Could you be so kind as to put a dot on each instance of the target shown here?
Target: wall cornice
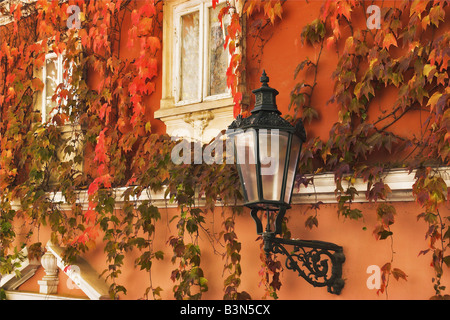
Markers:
(400, 181)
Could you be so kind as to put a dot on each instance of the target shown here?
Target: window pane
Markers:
(51, 82)
(293, 160)
(218, 57)
(246, 160)
(190, 46)
(272, 155)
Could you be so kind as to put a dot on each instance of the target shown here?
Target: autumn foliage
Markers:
(102, 138)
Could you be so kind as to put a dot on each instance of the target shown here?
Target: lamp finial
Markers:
(264, 79)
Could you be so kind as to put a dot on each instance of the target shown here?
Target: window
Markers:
(52, 76)
(195, 97)
(201, 60)
(55, 76)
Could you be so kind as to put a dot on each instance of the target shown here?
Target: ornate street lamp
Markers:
(267, 150)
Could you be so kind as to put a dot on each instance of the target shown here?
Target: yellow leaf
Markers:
(278, 9)
(433, 100)
(427, 69)
(148, 127)
(389, 40)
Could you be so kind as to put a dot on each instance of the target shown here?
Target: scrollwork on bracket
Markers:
(318, 262)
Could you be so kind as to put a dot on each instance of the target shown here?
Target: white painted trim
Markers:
(81, 273)
(202, 6)
(400, 182)
(207, 52)
(85, 277)
(20, 295)
(59, 79)
(178, 13)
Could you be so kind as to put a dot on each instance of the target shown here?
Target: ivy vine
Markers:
(405, 54)
(106, 130)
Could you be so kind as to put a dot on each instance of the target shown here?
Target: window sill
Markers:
(197, 121)
(168, 107)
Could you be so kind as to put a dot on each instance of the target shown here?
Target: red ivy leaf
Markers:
(154, 44)
(330, 42)
(237, 104)
(148, 9)
(100, 148)
(135, 17)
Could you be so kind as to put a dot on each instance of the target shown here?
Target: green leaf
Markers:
(447, 261)
(203, 282)
(310, 114)
(2, 294)
(311, 222)
(159, 255)
(384, 234)
(300, 66)
(398, 274)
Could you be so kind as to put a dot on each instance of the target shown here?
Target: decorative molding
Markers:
(18, 295)
(177, 114)
(49, 283)
(400, 181)
(200, 126)
(81, 275)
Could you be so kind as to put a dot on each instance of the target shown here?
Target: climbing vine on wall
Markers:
(101, 138)
(406, 53)
(104, 128)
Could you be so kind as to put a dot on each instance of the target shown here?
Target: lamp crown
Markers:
(265, 96)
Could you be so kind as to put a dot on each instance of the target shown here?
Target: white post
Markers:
(49, 283)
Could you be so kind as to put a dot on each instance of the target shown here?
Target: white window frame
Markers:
(60, 69)
(59, 80)
(202, 6)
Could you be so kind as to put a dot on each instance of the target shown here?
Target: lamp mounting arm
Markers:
(318, 262)
(311, 259)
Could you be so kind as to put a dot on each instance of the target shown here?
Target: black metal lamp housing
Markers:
(267, 150)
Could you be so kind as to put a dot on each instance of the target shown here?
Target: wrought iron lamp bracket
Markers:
(311, 259)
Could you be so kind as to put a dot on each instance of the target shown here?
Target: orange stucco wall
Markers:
(66, 287)
(284, 51)
(360, 248)
(280, 57)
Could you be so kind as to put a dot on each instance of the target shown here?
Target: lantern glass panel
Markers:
(272, 151)
(245, 143)
(293, 162)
